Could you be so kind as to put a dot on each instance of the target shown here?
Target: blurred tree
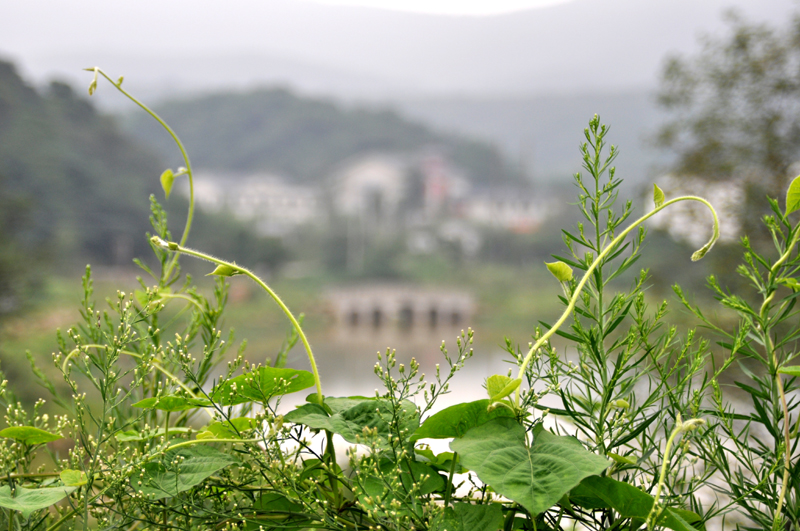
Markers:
(20, 264)
(736, 112)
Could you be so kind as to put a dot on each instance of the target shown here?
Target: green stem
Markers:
(574, 299)
(787, 437)
(656, 510)
(189, 174)
(172, 246)
(449, 486)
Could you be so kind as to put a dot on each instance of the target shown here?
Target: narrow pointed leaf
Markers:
(658, 196)
(172, 403)
(790, 371)
(167, 180)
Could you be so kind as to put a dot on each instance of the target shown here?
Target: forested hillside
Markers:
(274, 130)
(84, 182)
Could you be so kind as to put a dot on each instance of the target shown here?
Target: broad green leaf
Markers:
(229, 429)
(790, 371)
(442, 461)
(468, 517)
(224, 271)
(73, 478)
(629, 502)
(500, 386)
(167, 179)
(350, 417)
(28, 500)
(179, 470)
(29, 435)
(412, 473)
(793, 196)
(172, 403)
(535, 477)
(560, 270)
(133, 435)
(658, 196)
(260, 385)
(456, 420)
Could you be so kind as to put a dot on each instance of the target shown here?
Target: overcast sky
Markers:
(317, 46)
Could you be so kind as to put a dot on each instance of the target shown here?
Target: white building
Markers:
(275, 206)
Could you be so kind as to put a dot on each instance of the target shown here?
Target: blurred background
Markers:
(397, 170)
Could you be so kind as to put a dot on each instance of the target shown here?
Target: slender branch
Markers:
(184, 154)
(236, 269)
(574, 299)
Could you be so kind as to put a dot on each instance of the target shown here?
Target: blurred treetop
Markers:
(736, 110)
(275, 131)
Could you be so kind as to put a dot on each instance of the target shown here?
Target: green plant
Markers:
(591, 438)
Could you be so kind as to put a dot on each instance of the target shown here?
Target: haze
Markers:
(359, 52)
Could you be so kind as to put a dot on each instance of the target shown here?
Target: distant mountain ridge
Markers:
(305, 139)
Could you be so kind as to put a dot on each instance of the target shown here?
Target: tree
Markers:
(736, 111)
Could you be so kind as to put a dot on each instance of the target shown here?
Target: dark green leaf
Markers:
(261, 384)
(28, 500)
(132, 435)
(630, 502)
(468, 517)
(351, 416)
(456, 420)
(172, 403)
(179, 470)
(535, 477)
(29, 435)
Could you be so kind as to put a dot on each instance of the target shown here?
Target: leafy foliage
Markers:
(596, 440)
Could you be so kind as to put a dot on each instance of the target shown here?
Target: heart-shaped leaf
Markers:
(457, 420)
(468, 517)
(179, 470)
(28, 500)
(350, 416)
(261, 384)
(535, 477)
(29, 435)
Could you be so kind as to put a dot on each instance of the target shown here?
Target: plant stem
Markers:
(184, 154)
(178, 248)
(449, 486)
(787, 438)
(574, 299)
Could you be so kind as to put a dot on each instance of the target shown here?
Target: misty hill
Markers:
(86, 183)
(274, 130)
(542, 133)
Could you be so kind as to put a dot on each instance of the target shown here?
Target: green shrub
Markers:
(641, 436)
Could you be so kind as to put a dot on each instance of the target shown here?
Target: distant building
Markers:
(513, 209)
(275, 206)
(370, 187)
